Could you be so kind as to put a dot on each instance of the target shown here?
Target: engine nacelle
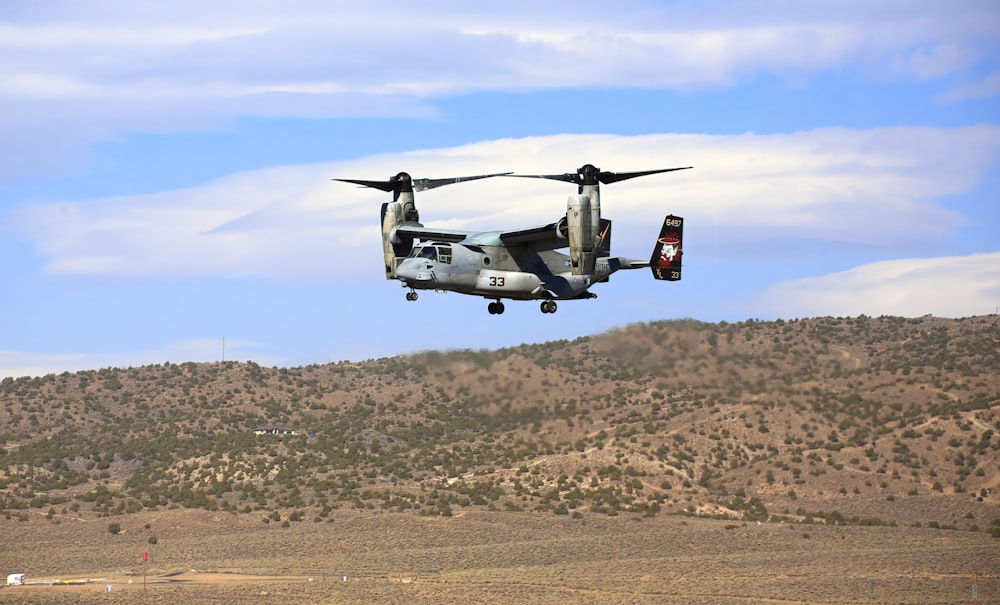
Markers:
(583, 223)
(394, 248)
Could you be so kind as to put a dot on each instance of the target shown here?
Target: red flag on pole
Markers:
(143, 555)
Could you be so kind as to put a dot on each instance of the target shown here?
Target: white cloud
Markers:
(15, 364)
(880, 187)
(71, 77)
(958, 286)
(263, 223)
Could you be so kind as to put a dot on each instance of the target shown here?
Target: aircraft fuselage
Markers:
(481, 265)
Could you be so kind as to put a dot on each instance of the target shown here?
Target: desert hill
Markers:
(848, 421)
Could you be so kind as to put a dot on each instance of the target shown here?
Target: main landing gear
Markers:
(411, 295)
(496, 307)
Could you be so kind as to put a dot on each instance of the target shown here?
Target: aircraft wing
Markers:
(426, 234)
(543, 237)
(547, 237)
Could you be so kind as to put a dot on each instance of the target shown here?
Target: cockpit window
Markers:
(444, 254)
(440, 253)
(424, 252)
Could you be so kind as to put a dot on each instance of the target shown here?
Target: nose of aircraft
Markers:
(413, 270)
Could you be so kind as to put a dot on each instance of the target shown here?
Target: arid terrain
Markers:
(498, 557)
(826, 460)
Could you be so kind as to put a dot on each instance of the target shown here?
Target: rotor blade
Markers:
(424, 184)
(567, 177)
(613, 177)
(381, 185)
(403, 182)
(587, 175)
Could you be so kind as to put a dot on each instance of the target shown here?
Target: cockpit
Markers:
(435, 252)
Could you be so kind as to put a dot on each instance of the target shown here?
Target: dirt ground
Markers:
(492, 557)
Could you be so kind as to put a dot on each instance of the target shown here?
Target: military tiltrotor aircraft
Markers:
(520, 264)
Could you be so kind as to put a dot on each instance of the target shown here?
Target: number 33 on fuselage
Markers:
(521, 264)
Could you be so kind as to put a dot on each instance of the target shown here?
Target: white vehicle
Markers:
(15, 579)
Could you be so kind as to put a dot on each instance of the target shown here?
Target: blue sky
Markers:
(165, 170)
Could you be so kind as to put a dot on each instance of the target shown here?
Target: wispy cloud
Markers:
(878, 188)
(959, 286)
(71, 77)
(980, 88)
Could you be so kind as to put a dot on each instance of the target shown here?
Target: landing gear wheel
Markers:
(411, 296)
(495, 308)
(548, 306)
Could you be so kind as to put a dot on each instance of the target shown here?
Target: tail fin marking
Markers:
(665, 261)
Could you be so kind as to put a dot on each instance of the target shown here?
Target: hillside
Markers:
(855, 421)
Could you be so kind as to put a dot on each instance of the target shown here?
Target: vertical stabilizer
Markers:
(666, 259)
